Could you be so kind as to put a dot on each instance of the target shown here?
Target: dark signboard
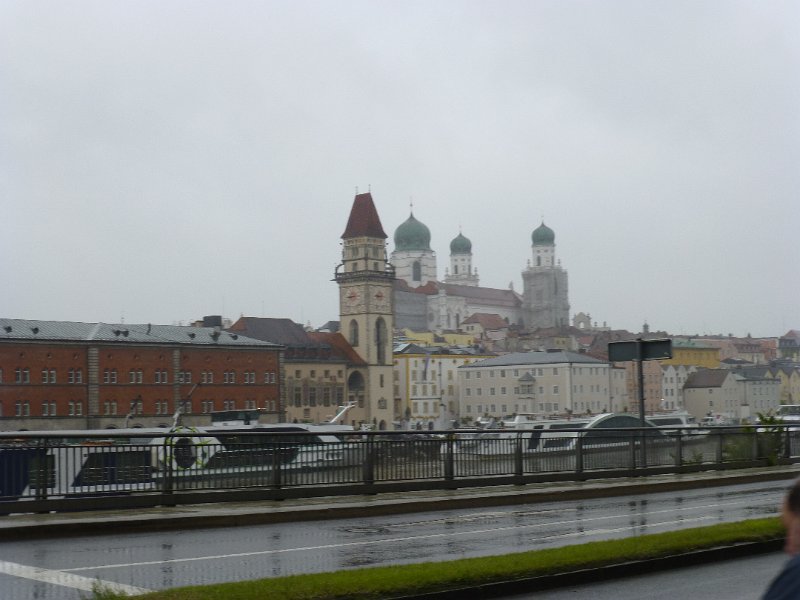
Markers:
(650, 350)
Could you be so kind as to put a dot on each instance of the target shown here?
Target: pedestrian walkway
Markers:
(227, 514)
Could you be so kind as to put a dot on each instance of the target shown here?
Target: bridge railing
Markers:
(57, 471)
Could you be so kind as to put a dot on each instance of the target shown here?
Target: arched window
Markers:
(416, 271)
(538, 261)
(380, 340)
(354, 333)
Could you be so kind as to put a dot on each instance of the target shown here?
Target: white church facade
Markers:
(423, 302)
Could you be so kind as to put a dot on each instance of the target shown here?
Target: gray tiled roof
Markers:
(536, 358)
(70, 331)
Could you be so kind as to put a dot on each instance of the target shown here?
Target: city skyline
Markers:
(168, 162)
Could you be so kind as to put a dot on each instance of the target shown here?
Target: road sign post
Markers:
(639, 350)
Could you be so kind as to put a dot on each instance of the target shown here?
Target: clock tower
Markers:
(366, 312)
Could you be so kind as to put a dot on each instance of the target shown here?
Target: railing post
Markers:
(42, 471)
(787, 445)
(579, 454)
(167, 466)
(369, 461)
(449, 459)
(276, 465)
(518, 468)
(632, 452)
(720, 446)
(679, 448)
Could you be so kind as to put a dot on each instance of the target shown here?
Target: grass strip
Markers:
(385, 582)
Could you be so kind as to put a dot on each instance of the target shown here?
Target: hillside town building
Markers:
(426, 383)
(542, 383)
(68, 375)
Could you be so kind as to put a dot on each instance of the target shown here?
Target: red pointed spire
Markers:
(364, 220)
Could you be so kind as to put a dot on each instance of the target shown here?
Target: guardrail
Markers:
(80, 471)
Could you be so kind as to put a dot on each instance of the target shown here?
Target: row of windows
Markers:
(49, 376)
(433, 389)
(328, 397)
(298, 374)
(428, 375)
(536, 372)
(161, 376)
(518, 391)
(480, 409)
(48, 408)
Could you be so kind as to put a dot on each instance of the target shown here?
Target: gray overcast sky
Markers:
(160, 161)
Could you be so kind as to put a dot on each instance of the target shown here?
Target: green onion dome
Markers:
(412, 235)
(460, 245)
(543, 236)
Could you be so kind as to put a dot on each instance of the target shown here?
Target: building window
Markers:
(22, 375)
(354, 333)
(555, 389)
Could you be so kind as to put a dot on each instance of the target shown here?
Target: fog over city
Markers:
(161, 161)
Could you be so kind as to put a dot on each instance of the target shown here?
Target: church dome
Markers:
(543, 236)
(412, 235)
(460, 245)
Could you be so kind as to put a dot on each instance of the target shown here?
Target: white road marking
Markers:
(66, 579)
(387, 541)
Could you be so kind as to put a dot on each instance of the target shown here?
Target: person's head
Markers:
(790, 513)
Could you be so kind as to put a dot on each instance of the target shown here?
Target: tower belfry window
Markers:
(416, 271)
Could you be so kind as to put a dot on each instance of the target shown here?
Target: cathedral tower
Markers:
(412, 256)
(545, 290)
(461, 271)
(366, 312)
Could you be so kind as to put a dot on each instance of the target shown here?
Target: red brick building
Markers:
(66, 375)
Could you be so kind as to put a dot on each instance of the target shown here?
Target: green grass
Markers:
(385, 582)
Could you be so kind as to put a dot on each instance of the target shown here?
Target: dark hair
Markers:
(793, 499)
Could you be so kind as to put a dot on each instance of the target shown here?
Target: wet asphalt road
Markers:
(58, 569)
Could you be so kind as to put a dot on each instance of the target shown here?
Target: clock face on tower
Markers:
(352, 300)
(380, 299)
(351, 297)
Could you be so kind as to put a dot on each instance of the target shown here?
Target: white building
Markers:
(544, 383)
(673, 378)
(426, 384)
(729, 396)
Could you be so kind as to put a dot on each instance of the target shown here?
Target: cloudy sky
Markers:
(161, 161)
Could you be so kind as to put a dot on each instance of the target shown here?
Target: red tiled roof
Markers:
(478, 294)
(487, 320)
(340, 345)
(364, 220)
(429, 289)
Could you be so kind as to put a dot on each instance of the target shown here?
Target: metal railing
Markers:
(77, 471)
